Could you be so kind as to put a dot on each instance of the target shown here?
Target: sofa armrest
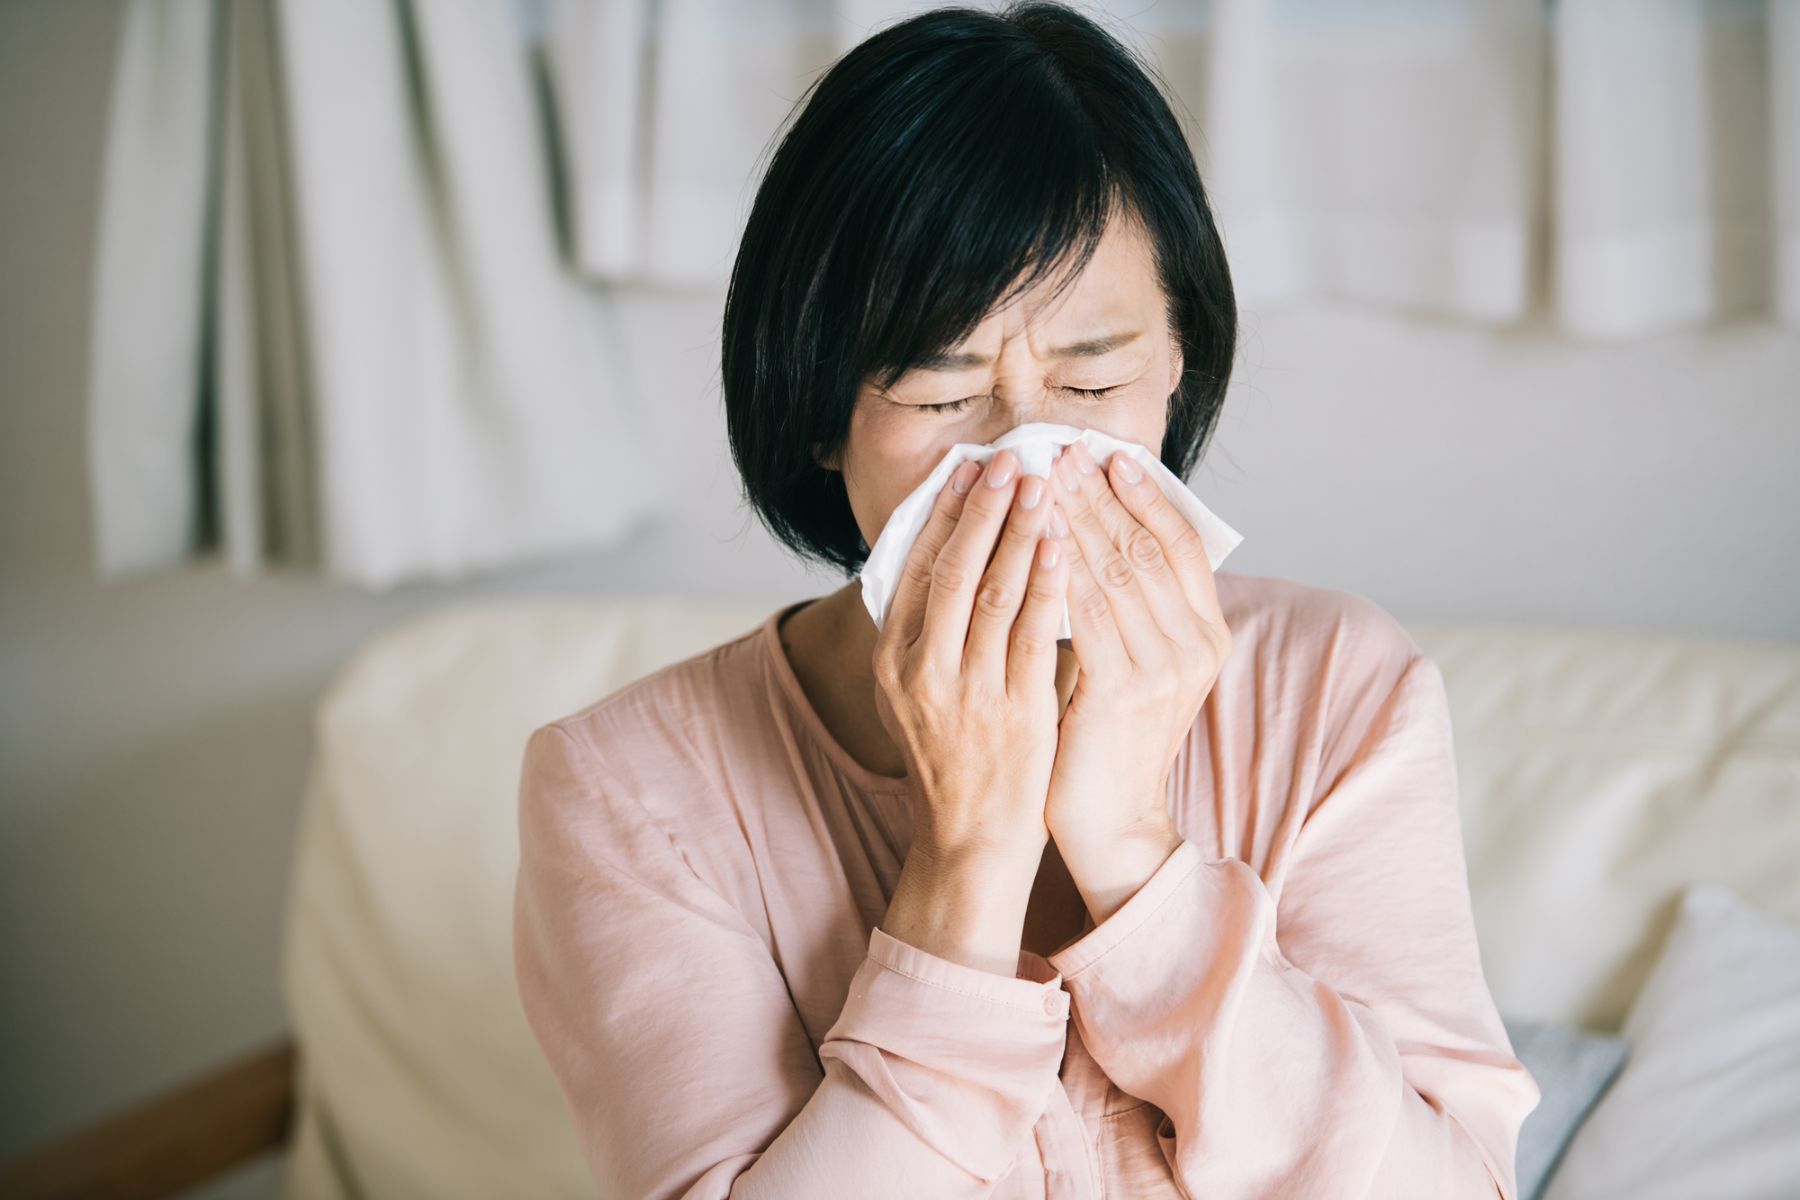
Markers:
(169, 1143)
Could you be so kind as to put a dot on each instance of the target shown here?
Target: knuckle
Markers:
(1093, 605)
(1115, 572)
(971, 699)
(1142, 548)
(947, 573)
(996, 598)
(1188, 548)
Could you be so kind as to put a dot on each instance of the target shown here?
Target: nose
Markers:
(1024, 391)
(1016, 408)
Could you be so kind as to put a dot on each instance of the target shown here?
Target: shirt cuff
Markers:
(966, 1059)
(1040, 997)
(1163, 883)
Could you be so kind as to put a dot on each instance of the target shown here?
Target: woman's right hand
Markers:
(965, 682)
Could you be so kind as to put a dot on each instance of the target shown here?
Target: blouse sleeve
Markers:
(1343, 1043)
(687, 1071)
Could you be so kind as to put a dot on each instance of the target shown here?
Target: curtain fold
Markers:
(144, 427)
(1386, 154)
(263, 452)
(1675, 125)
(333, 327)
(666, 108)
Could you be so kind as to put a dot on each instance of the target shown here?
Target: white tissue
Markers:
(1036, 444)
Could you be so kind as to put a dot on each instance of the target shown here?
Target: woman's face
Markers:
(1106, 331)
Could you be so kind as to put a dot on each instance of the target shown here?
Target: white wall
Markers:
(154, 734)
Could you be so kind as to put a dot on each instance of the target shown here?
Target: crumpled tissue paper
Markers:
(1036, 445)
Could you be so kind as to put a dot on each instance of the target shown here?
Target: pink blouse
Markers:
(1292, 1006)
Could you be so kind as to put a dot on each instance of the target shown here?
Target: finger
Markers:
(906, 611)
(1138, 629)
(1182, 547)
(1003, 587)
(1031, 665)
(1095, 635)
(1113, 517)
(1165, 595)
(956, 573)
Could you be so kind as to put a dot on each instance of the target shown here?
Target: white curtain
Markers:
(1677, 162)
(1383, 153)
(667, 110)
(333, 327)
(1626, 166)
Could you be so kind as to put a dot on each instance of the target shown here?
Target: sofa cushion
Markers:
(418, 1073)
(1709, 1101)
(1602, 772)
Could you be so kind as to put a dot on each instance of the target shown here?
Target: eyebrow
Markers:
(1091, 348)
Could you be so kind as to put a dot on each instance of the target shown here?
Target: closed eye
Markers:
(954, 405)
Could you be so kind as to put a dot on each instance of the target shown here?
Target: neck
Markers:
(841, 634)
(830, 644)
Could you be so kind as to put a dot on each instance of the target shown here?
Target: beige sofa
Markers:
(1600, 772)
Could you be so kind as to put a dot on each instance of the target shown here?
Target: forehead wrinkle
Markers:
(1092, 347)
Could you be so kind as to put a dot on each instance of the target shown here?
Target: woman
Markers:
(950, 909)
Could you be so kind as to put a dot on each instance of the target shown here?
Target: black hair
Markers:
(932, 166)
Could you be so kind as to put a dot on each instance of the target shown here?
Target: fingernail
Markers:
(1000, 469)
(1083, 459)
(964, 477)
(1127, 469)
(1065, 470)
(1031, 490)
(1059, 524)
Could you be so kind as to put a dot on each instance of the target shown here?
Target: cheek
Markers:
(1140, 416)
(885, 460)
(1148, 417)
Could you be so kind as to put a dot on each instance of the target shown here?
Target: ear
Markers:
(1176, 363)
(829, 463)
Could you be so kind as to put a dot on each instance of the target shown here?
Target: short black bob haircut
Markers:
(936, 163)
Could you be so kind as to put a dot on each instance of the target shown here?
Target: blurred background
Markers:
(318, 316)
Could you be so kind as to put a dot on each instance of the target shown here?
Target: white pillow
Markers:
(1708, 1103)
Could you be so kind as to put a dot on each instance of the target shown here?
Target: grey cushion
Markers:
(1573, 1068)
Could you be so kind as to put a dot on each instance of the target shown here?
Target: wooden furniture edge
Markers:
(171, 1142)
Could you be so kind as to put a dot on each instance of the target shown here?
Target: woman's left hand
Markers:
(1150, 640)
